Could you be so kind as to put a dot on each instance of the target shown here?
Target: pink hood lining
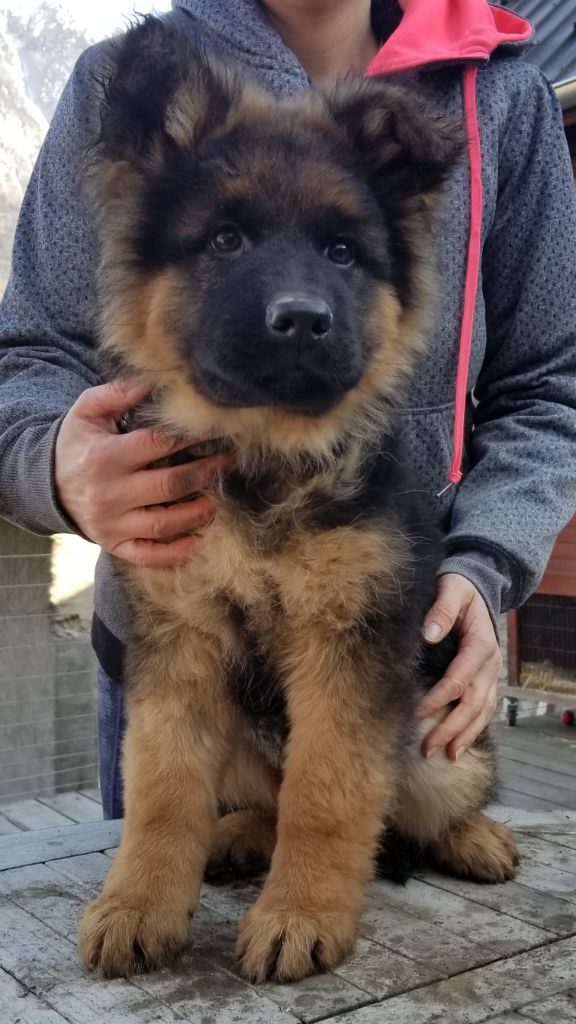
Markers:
(438, 31)
(434, 32)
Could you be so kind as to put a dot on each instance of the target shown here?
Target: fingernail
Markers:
(431, 631)
(431, 751)
(458, 752)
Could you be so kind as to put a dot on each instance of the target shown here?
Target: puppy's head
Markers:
(264, 262)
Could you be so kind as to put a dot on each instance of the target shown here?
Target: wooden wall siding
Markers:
(560, 576)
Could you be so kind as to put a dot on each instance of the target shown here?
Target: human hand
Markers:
(104, 484)
(472, 676)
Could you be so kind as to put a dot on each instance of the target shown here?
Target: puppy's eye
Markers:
(226, 239)
(341, 252)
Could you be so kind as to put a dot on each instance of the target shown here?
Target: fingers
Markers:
(152, 555)
(141, 448)
(165, 524)
(454, 595)
(465, 723)
(472, 677)
(105, 404)
(158, 486)
(466, 738)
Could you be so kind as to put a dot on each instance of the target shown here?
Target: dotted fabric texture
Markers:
(520, 483)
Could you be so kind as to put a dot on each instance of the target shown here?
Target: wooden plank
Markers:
(42, 891)
(8, 828)
(520, 800)
(54, 843)
(568, 842)
(559, 821)
(507, 1018)
(93, 793)
(76, 806)
(200, 992)
(44, 894)
(529, 739)
(214, 936)
(560, 1009)
(47, 963)
(319, 996)
(542, 790)
(563, 782)
(439, 949)
(87, 869)
(561, 884)
(564, 762)
(505, 934)
(539, 850)
(559, 699)
(516, 900)
(31, 814)
(19, 1006)
(481, 994)
(565, 767)
(383, 972)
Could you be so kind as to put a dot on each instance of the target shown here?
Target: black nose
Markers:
(299, 317)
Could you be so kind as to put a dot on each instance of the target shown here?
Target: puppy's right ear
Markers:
(157, 90)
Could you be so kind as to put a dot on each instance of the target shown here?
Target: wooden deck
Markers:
(537, 763)
(437, 950)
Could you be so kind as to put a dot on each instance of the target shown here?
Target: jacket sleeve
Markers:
(47, 355)
(520, 488)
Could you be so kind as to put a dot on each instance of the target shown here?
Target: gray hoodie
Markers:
(519, 483)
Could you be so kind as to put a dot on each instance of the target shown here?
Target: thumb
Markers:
(104, 405)
(454, 593)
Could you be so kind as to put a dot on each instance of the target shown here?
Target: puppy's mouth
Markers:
(300, 392)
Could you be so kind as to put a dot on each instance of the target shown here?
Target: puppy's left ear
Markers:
(407, 150)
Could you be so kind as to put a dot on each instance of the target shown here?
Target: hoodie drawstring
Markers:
(472, 271)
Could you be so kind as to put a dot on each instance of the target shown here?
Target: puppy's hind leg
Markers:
(245, 835)
(438, 814)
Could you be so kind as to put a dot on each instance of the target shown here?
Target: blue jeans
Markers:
(111, 724)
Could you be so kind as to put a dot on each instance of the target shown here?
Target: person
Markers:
(500, 372)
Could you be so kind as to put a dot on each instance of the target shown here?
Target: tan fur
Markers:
(477, 848)
(329, 820)
(177, 706)
(243, 844)
(434, 794)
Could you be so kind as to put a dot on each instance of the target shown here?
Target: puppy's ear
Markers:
(407, 151)
(158, 89)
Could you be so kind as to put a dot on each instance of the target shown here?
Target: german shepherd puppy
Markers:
(265, 269)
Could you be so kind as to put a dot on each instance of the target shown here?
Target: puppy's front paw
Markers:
(122, 935)
(286, 944)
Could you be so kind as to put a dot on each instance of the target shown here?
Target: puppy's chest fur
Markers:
(265, 574)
